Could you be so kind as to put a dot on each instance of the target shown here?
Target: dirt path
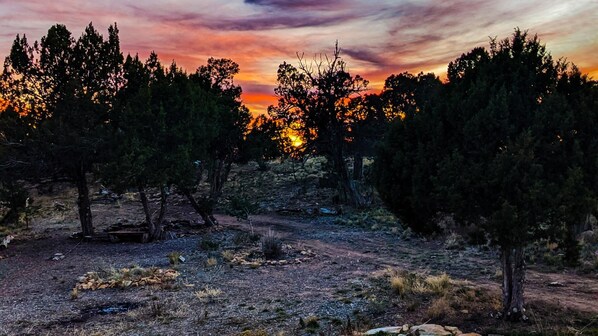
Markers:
(382, 250)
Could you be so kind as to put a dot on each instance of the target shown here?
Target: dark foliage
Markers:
(507, 145)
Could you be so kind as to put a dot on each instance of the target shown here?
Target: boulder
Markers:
(432, 330)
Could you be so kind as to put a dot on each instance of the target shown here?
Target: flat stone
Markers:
(430, 330)
(387, 330)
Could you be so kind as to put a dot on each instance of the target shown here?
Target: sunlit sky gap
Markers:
(377, 38)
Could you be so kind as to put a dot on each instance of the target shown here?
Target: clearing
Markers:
(332, 279)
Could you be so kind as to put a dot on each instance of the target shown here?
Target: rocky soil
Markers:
(332, 278)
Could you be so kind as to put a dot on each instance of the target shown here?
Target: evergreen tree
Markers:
(228, 123)
(66, 87)
(509, 147)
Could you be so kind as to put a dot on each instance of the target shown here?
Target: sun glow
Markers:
(296, 140)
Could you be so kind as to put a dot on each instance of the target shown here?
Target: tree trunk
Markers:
(347, 186)
(507, 276)
(204, 211)
(154, 226)
(84, 205)
(357, 166)
(513, 268)
(516, 309)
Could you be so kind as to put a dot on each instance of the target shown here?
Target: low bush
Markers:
(271, 246)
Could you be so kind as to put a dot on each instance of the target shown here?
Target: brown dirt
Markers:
(343, 282)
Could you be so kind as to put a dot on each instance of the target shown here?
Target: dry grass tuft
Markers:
(173, 258)
(271, 246)
(74, 293)
(211, 262)
(126, 277)
(405, 283)
(208, 294)
(439, 284)
(228, 255)
(440, 308)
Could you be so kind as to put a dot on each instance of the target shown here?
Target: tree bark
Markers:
(516, 308)
(347, 186)
(513, 265)
(154, 226)
(204, 211)
(507, 277)
(84, 205)
(357, 166)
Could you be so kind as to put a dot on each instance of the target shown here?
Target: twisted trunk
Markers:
(154, 225)
(348, 188)
(203, 209)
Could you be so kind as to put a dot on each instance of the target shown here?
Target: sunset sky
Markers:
(377, 38)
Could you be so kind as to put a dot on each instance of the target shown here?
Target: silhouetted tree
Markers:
(313, 100)
(263, 142)
(367, 125)
(13, 166)
(509, 148)
(229, 122)
(66, 86)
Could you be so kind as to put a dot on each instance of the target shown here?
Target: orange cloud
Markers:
(378, 38)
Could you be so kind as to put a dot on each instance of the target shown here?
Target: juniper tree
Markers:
(66, 86)
(313, 100)
(510, 148)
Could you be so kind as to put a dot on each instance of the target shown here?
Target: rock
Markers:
(453, 330)
(328, 212)
(57, 256)
(421, 330)
(430, 330)
(6, 240)
(386, 330)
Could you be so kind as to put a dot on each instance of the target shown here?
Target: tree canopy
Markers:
(508, 147)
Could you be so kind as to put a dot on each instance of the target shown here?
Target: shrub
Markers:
(208, 245)
(241, 207)
(173, 257)
(14, 197)
(311, 322)
(271, 246)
